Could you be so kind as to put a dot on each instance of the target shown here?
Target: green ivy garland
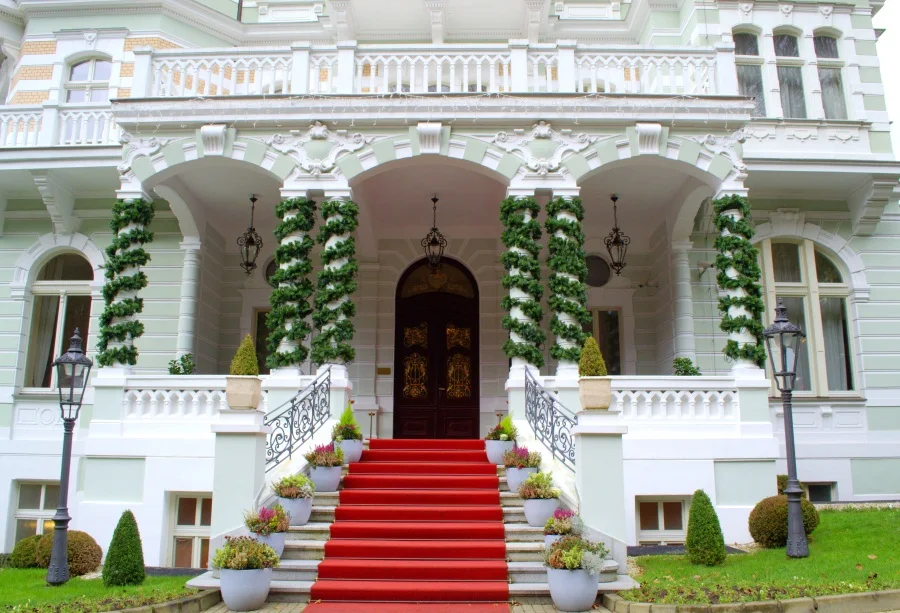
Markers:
(521, 234)
(567, 257)
(333, 308)
(117, 322)
(290, 298)
(736, 251)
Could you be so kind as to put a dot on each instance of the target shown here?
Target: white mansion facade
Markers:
(373, 107)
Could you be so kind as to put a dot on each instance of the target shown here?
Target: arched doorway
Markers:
(436, 391)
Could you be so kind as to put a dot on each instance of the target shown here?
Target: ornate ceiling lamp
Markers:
(616, 242)
(434, 242)
(250, 242)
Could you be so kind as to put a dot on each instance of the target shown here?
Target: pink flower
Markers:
(266, 514)
(563, 514)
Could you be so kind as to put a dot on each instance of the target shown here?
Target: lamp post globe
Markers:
(783, 340)
(72, 371)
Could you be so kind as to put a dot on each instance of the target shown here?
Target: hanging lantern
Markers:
(434, 242)
(250, 242)
(616, 242)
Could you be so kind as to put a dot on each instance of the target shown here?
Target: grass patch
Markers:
(851, 551)
(26, 591)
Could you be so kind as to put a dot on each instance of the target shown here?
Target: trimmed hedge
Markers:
(591, 363)
(82, 550)
(244, 362)
(24, 554)
(124, 564)
(705, 543)
(768, 520)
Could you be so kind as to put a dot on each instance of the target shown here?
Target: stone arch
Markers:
(48, 246)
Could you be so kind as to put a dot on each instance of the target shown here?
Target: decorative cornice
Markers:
(520, 143)
(295, 146)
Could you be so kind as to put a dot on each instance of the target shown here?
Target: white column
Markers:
(771, 85)
(683, 302)
(142, 80)
(518, 60)
(566, 74)
(566, 369)
(190, 286)
(346, 66)
(726, 82)
(815, 108)
(300, 67)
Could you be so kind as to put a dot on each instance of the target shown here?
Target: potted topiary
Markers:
(564, 522)
(326, 463)
(520, 463)
(245, 572)
(243, 387)
(541, 498)
(573, 572)
(500, 439)
(295, 495)
(593, 384)
(268, 525)
(348, 436)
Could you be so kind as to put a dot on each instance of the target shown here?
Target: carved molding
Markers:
(648, 135)
(342, 20)
(519, 143)
(729, 146)
(867, 204)
(437, 14)
(788, 221)
(213, 138)
(429, 137)
(59, 200)
(136, 147)
(341, 141)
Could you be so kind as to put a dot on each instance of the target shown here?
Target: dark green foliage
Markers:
(683, 367)
(705, 543)
(24, 554)
(124, 563)
(782, 483)
(768, 520)
(184, 365)
(82, 550)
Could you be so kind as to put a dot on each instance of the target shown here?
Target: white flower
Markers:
(504, 437)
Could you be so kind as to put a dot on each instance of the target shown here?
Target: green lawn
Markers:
(25, 591)
(851, 551)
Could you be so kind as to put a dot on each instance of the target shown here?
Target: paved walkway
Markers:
(278, 607)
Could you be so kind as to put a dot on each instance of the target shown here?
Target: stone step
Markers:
(296, 570)
(321, 531)
(330, 499)
(279, 590)
(527, 551)
(297, 549)
(511, 515)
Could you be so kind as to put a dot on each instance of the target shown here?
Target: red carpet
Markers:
(418, 521)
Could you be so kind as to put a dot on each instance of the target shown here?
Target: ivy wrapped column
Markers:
(119, 325)
(523, 272)
(568, 293)
(290, 299)
(739, 273)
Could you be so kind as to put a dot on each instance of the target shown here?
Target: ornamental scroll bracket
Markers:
(295, 145)
(135, 147)
(537, 156)
(729, 146)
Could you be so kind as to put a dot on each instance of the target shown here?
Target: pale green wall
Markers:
(744, 483)
(875, 476)
(113, 479)
(143, 22)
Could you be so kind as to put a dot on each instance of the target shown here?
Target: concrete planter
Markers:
(245, 590)
(298, 508)
(539, 510)
(496, 449)
(594, 392)
(274, 540)
(243, 393)
(515, 477)
(549, 539)
(326, 478)
(573, 590)
(352, 449)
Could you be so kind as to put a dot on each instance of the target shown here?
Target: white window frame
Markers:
(195, 532)
(839, 64)
(754, 60)
(90, 84)
(791, 61)
(810, 290)
(40, 515)
(662, 536)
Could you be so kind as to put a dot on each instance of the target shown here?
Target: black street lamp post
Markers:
(72, 370)
(783, 344)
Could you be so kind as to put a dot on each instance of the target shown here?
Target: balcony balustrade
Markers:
(54, 124)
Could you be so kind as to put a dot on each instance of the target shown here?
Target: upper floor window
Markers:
(748, 64)
(815, 293)
(790, 76)
(830, 79)
(89, 81)
(62, 302)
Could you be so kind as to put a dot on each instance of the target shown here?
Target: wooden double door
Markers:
(436, 391)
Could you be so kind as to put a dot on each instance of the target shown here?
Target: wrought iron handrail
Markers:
(297, 420)
(551, 421)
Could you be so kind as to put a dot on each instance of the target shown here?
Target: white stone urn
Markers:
(352, 449)
(274, 540)
(298, 508)
(573, 590)
(595, 392)
(496, 449)
(243, 392)
(515, 477)
(245, 590)
(326, 478)
(539, 510)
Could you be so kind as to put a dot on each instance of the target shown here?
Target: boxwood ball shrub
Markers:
(244, 362)
(82, 550)
(768, 520)
(124, 564)
(24, 554)
(705, 543)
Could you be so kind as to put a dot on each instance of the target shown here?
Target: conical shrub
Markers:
(591, 363)
(124, 563)
(705, 543)
(244, 362)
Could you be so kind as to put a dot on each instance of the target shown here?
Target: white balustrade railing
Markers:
(20, 127)
(323, 73)
(220, 72)
(543, 71)
(87, 127)
(676, 399)
(192, 398)
(645, 72)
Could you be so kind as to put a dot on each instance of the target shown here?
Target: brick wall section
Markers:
(33, 73)
(30, 97)
(149, 41)
(123, 92)
(127, 69)
(39, 47)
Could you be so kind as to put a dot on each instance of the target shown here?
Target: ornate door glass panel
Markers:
(417, 336)
(459, 377)
(458, 337)
(415, 376)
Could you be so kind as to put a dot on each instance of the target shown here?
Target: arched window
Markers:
(790, 75)
(748, 64)
(830, 65)
(815, 291)
(88, 81)
(62, 302)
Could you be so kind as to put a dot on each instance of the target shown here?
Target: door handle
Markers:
(442, 389)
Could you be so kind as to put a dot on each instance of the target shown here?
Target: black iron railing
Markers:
(551, 421)
(298, 419)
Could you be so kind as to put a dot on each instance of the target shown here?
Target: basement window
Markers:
(190, 533)
(662, 521)
(819, 492)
